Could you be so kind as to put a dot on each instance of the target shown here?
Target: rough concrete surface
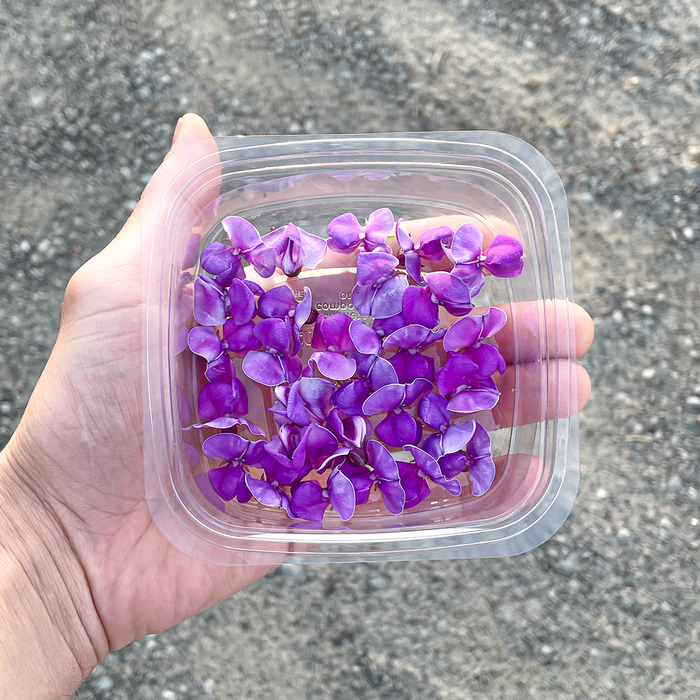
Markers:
(609, 91)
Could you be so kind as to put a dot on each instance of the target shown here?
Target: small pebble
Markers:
(617, 316)
(105, 683)
(547, 650)
(688, 233)
(378, 583)
(168, 695)
(648, 373)
(675, 483)
(665, 522)
(623, 533)
(693, 402)
(208, 686)
(601, 493)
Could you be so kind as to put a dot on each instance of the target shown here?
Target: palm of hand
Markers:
(83, 436)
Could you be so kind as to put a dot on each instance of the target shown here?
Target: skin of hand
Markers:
(83, 568)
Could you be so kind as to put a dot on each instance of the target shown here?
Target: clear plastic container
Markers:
(497, 181)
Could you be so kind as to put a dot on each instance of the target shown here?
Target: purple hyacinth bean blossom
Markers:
(224, 404)
(310, 500)
(433, 411)
(450, 291)
(429, 247)
(503, 258)
(345, 233)
(280, 303)
(408, 362)
(459, 380)
(332, 339)
(378, 469)
(219, 260)
(228, 481)
(414, 477)
(380, 287)
(273, 365)
(399, 427)
(477, 460)
(467, 336)
(351, 431)
(305, 401)
(295, 249)
(209, 302)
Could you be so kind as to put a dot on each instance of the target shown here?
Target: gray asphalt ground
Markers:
(609, 91)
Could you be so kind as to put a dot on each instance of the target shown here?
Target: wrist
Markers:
(51, 636)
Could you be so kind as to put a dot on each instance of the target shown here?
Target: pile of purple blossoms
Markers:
(369, 411)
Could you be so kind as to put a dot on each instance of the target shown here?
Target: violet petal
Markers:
(381, 460)
(371, 267)
(457, 371)
(225, 480)
(399, 429)
(334, 365)
(224, 446)
(466, 245)
(463, 333)
(204, 341)
(342, 494)
(209, 304)
(430, 242)
(386, 398)
(394, 496)
(308, 501)
(425, 462)
(277, 303)
(242, 234)
(242, 303)
(344, 233)
(481, 396)
(273, 333)
(264, 368)
(504, 257)
(365, 338)
(417, 307)
(408, 337)
(350, 397)
(389, 297)
(432, 410)
(263, 492)
(457, 436)
(481, 475)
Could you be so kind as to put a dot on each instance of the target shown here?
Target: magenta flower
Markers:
(468, 334)
(429, 247)
(418, 306)
(280, 303)
(351, 431)
(477, 460)
(228, 481)
(450, 291)
(378, 469)
(295, 249)
(408, 362)
(379, 289)
(305, 401)
(414, 477)
(224, 404)
(310, 500)
(459, 381)
(219, 260)
(399, 427)
(273, 365)
(385, 326)
(227, 263)
(345, 232)
(503, 258)
(448, 439)
(332, 339)
(209, 302)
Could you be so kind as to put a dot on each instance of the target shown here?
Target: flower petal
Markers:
(432, 410)
(215, 400)
(417, 389)
(316, 394)
(264, 368)
(334, 365)
(487, 358)
(263, 259)
(380, 224)
(417, 307)
(451, 485)
(350, 397)
(308, 501)
(313, 247)
(481, 396)
(463, 333)
(457, 371)
(381, 460)
(457, 436)
(399, 429)
(303, 310)
(344, 233)
(335, 330)
(240, 338)
(382, 373)
(408, 337)
(453, 464)
(481, 475)
(273, 333)
(425, 462)
(242, 234)
(204, 341)
(209, 305)
(263, 492)
(361, 481)
(494, 320)
(362, 298)
(504, 257)
(365, 339)
(409, 365)
(448, 288)
(466, 246)
(414, 486)
(386, 326)
(226, 480)
(277, 303)
(225, 446)
(389, 297)
(394, 496)
(320, 444)
(430, 242)
(386, 398)
(342, 494)
(242, 303)
(371, 267)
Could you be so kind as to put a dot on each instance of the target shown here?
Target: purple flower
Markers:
(432, 241)
(408, 361)
(467, 393)
(379, 469)
(351, 431)
(332, 338)
(273, 365)
(374, 371)
(209, 302)
(379, 289)
(448, 439)
(305, 401)
(414, 477)
(503, 258)
(468, 335)
(219, 259)
(268, 493)
(477, 460)
(399, 427)
(412, 261)
(228, 481)
(450, 291)
(295, 249)
(418, 306)
(223, 405)
(280, 303)
(385, 326)
(310, 500)
(345, 232)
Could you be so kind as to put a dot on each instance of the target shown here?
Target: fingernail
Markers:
(178, 126)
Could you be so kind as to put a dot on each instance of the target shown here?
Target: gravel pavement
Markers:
(609, 91)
